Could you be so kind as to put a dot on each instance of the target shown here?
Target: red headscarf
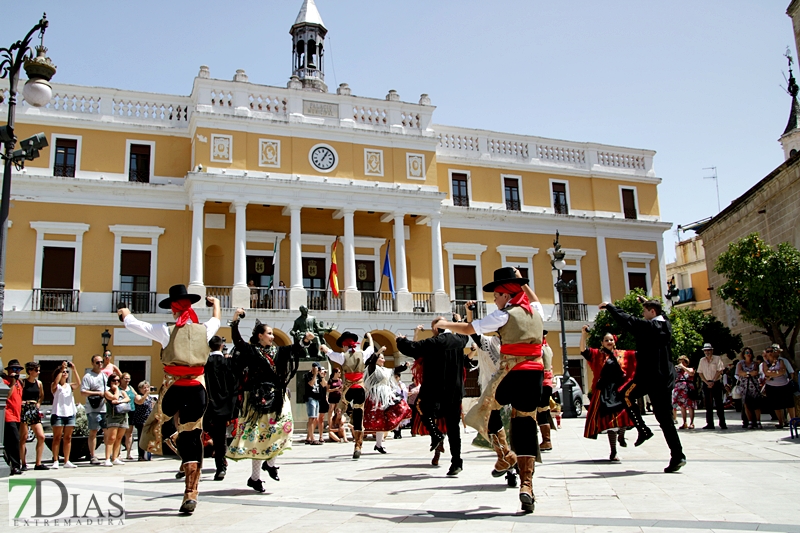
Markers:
(184, 307)
(519, 296)
(349, 344)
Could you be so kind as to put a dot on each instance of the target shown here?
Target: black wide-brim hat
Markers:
(14, 363)
(178, 292)
(344, 336)
(502, 276)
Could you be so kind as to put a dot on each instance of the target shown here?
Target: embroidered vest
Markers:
(353, 362)
(188, 346)
(521, 327)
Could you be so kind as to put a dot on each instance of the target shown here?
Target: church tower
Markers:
(308, 40)
(790, 140)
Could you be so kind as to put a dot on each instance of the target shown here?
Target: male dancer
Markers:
(543, 416)
(223, 387)
(442, 388)
(183, 392)
(352, 361)
(655, 372)
(520, 328)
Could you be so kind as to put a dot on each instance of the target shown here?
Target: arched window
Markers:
(301, 60)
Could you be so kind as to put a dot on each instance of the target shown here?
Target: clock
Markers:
(323, 157)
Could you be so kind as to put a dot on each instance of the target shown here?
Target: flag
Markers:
(274, 262)
(387, 271)
(333, 281)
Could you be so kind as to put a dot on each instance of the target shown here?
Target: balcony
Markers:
(223, 294)
(137, 301)
(323, 300)
(573, 311)
(460, 307)
(269, 298)
(64, 300)
(423, 302)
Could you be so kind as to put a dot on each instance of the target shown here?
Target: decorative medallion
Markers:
(415, 166)
(221, 148)
(259, 265)
(269, 153)
(312, 269)
(373, 162)
(361, 271)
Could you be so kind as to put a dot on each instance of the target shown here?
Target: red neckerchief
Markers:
(519, 296)
(184, 307)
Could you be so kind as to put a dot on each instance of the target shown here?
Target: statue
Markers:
(306, 323)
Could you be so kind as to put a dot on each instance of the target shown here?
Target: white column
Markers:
(602, 260)
(196, 283)
(662, 267)
(240, 295)
(297, 294)
(404, 298)
(351, 297)
(441, 300)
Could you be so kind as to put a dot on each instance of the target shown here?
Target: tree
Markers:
(763, 285)
(605, 323)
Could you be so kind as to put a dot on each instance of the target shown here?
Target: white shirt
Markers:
(499, 318)
(63, 400)
(337, 357)
(160, 332)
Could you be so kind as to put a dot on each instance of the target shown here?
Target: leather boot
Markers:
(546, 444)
(358, 440)
(526, 498)
(190, 493)
(644, 431)
(506, 459)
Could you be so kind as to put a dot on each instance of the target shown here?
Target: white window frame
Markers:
(409, 155)
(147, 360)
(635, 201)
(550, 192)
(260, 145)
(570, 254)
(507, 252)
(468, 173)
(79, 144)
(152, 145)
(375, 244)
(519, 187)
(266, 237)
(465, 248)
(366, 167)
(58, 228)
(211, 158)
(637, 257)
(138, 232)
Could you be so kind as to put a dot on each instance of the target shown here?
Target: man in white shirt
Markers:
(710, 370)
(183, 393)
(93, 386)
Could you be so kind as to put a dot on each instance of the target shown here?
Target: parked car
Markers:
(577, 393)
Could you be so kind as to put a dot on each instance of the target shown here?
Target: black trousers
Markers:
(713, 396)
(661, 402)
(189, 403)
(217, 428)
(452, 418)
(522, 389)
(357, 396)
(11, 443)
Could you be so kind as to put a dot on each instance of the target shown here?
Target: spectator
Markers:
(144, 404)
(62, 418)
(779, 391)
(11, 438)
(413, 392)
(93, 386)
(312, 381)
(323, 401)
(710, 370)
(684, 394)
(334, 392)
(747, 372)
(117, 409)
(109, 367)
(125, 384)
(32, 396)
(401, 391)
(253, 294)
(336, 429)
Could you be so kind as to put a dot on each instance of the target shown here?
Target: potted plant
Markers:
(80, 438)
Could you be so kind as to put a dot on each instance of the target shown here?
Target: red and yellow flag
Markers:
(333, 280)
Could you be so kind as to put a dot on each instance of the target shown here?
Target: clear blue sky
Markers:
(699, 82)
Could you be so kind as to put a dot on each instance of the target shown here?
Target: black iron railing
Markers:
(573, 311)
(460, 307)
(137, 301)
(66, 300)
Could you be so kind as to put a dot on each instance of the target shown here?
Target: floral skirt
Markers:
(378, 420)
(266, 437)
(597, 423)
(30, 414)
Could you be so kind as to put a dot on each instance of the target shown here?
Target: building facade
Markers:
(689, 275)
(240, 191)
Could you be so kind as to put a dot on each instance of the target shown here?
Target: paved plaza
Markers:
(735, 480)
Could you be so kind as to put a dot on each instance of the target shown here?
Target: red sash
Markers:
(524, 350)
(356, 378)
(190, 372)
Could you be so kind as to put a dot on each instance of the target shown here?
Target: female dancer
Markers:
(62, 418)
(116, 422)
(32, 396)
(384, 410)
(612, 368)
(265, 424)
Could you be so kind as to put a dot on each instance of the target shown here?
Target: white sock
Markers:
(379, 439)
(271, 462)
(256, 475)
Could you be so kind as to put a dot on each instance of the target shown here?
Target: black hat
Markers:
(14, 363)
(504, 275)
(344, 336)
(544, 332)
(178, 292)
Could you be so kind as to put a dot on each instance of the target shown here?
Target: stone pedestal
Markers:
(240, 297)
(441, 304)
(198, 289)
(297, 297)
(405, 302)
(351, 300)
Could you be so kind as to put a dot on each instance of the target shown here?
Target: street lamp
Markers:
(37, 92)
(106, 337)
(558, 264)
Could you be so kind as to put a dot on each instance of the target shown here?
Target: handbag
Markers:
(97, 401)
(122, 408)
(738, 392)
(263, 397)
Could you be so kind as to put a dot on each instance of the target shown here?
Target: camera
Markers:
(472, 307)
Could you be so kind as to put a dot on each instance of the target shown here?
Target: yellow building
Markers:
(238, 183)
(688, 274)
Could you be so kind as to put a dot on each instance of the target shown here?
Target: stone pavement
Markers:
(735, 481)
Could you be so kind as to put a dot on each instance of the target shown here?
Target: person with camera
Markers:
(222, 383)
(265, 423)
(313, 385)
(62, 417)
(11, 438)
(183, 393)
(93, 386)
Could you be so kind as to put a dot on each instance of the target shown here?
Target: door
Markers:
(58, 273)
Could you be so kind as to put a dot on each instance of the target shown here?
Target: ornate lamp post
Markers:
(106, 337)
(558, 264)
(37, 92)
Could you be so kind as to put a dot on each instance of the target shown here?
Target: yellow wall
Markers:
(700, 286)
(616, 271)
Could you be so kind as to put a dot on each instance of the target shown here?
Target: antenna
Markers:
(716, 181)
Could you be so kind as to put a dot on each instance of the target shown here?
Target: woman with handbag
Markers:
(118, 405)
(684, 395)
(265, 425)
(747, 372)
(32, 397)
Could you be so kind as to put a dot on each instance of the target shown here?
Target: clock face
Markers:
(323, 158)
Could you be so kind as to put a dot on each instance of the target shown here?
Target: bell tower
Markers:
(308, 40)
(790, 140)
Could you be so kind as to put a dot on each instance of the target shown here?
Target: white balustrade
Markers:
(409, 119)
(149, 111)
(222, 98)
(266, 103)
(611, 159)
(459, 142)
(508, 148)
(561, 154)
(370, 115)
(74, 103)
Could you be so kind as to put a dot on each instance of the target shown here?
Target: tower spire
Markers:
(308, 42)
